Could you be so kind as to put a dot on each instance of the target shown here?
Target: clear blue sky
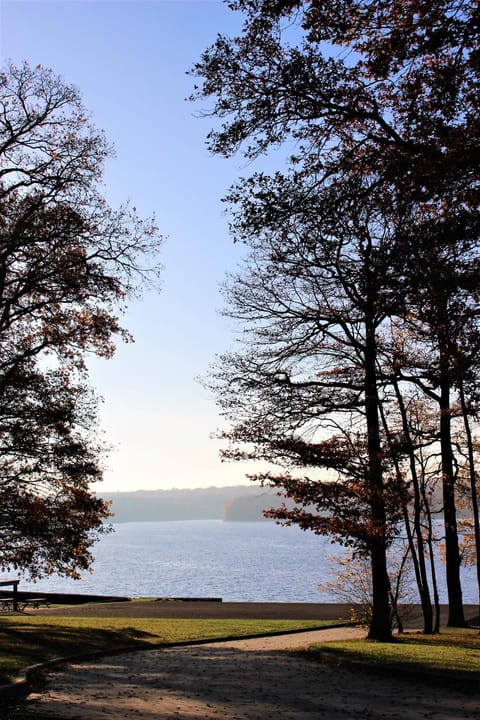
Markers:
(129, 61)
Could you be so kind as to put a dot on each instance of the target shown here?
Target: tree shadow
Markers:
(27, 644)
(223, 681)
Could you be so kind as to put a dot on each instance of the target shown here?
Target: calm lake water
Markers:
(237, 561)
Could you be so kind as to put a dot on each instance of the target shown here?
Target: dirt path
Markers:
(238, 680)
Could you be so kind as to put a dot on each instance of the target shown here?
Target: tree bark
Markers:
(473, 486)
(418, 558)
(456, 616)
(380, 625)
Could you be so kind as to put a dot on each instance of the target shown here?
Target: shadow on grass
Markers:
(450, 659)
(27, 644)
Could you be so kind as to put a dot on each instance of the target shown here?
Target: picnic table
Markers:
(16, 603)
(8, 601)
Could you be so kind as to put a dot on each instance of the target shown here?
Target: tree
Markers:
(68, 264)
(46, 141)
(49, 456)
(442, 302)
(413, 440)
(352, 585)
(472, 454)
(386, 91)
(304, 392)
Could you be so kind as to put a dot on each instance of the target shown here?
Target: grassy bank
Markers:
(29, 640)
(453, 655)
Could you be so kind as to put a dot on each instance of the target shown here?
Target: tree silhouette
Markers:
(381, 97)
(68, 264)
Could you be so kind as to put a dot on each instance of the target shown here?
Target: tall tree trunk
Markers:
(456, 616)
(473, 485)
(431, 556)
(380, 625)
(418, 558)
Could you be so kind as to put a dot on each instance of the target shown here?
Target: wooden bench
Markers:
(16, 602)
(8, 602)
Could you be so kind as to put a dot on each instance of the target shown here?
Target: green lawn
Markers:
(452, 655)
(26, 640)
(29, 640)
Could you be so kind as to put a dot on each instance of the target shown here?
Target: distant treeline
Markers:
(240, 502)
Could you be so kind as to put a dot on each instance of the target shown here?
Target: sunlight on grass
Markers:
(453, 652)
(25, 641)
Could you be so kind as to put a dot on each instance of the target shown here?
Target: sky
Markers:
(129, 60)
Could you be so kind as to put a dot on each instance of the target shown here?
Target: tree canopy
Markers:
(362, 280)
(68, 264)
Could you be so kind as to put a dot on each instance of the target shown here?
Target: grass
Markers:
(453, 655)
(25, 641)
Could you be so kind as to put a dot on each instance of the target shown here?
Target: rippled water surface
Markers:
(244, 561)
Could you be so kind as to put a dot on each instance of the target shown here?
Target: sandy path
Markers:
(238, 680)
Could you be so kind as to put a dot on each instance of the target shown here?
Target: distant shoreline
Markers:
(237, 503)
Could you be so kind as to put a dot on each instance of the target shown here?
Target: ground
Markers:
(237, 680)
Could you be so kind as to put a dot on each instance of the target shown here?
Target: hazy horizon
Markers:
(185, 489)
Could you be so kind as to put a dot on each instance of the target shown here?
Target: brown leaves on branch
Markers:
(69, 263)
(360, 289)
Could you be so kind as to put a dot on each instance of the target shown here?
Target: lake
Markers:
(237, 561)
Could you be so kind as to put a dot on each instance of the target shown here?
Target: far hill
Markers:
(240, 502)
